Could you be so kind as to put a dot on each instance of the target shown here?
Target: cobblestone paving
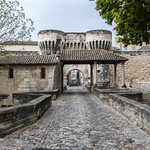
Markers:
(78, 120)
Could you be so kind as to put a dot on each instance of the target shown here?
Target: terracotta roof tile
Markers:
(83, 56)
(29, 60)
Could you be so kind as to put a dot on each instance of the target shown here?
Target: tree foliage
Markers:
(14, 25)
(132, 18)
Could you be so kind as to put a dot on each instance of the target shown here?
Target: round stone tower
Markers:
(50, 41)
(98, 39)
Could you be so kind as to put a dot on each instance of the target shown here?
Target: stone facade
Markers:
(137, 70)
(52, 41)
(27, 78)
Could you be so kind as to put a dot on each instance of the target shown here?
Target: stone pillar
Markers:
(95, 45)
(115, 75)
(95, 73)
(98, 45)
(92, 45)
(61, 77)
(123, 75)
(91, 74)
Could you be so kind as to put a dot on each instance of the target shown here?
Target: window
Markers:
(133, 48)
(11, 73)
(43, 73)
(125, 48)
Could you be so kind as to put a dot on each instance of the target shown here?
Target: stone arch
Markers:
(97, 45)
(53, 45)
(93, 45)
(100, 44)
(82, 45)
(75, 45)
(79, 79)
(49, 44)
(67, 45)
(83, 68)
(78, 45)
(71, 45)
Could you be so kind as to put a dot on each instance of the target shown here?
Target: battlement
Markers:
(52, 41)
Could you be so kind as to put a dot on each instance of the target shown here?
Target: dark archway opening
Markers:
(75, 78)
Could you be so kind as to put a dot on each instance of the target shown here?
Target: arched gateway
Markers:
(89, 52)
(60, 52)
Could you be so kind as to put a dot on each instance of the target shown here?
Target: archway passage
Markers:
(92, 58)
(75, 78)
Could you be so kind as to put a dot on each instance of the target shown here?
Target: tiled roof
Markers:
(67, 57)
(89, 56)
(144, 48)
(29, 60)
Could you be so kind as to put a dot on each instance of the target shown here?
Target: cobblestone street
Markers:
(78, 120)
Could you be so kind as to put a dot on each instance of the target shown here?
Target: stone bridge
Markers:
(78, 120)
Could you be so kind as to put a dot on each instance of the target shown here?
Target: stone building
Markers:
(120, 46)
(60, 53)
(22, 48)
(53, 41)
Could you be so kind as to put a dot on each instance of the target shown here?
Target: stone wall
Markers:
(26, 79)
(4, 98)
(137, 70)
(121, 101)
(48, 40)
(14, 118)
(137, 112)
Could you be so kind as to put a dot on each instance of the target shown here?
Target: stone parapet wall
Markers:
(133, 109)
(32, 95)
(137, 96)
(137, 70)
(14, 118)
(137, 112)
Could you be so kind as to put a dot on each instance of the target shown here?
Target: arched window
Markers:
(11, 73)
(43, 73)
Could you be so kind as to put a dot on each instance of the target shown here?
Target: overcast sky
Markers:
(64, 15)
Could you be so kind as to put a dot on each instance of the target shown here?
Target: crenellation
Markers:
(94, 39)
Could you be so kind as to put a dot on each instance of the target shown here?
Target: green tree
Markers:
(14, 26)
(132, 19)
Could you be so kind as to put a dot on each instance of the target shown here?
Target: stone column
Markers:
(91, 74)
(61, 77)
(123, 75)
(95, 45)
(115, 75)
(95, 73)
(92, 45)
